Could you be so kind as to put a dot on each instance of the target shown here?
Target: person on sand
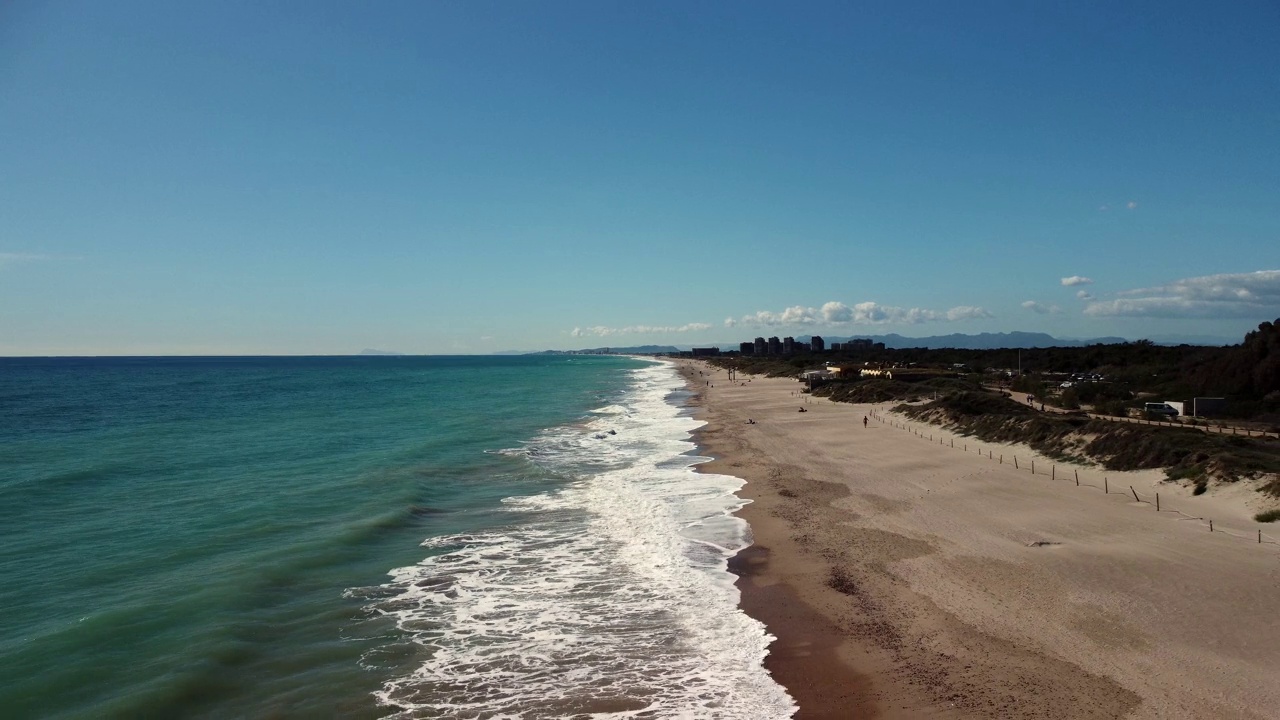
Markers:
(864, 421)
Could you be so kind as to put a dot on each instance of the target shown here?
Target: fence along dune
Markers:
(1153, 499)
(972, 587)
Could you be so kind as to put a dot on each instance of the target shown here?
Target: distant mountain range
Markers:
(633, 350)
(1016, 339)
(981, 341)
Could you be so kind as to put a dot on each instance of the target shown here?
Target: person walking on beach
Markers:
(864, 421)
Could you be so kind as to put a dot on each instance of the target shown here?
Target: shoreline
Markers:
(903, 580)
(806, 655)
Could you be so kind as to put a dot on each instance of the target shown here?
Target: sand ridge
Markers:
(955, 586)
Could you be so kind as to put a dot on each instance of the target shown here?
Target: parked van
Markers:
(1159, 408)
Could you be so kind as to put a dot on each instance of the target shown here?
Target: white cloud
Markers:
(1041, 308)
(603, 331)
(863, 313)
(1075, 280)
(730, 322)
(7, 259)
(836, 312)
(1084, 295)
(967, 312)
(794, 315)
(798, 315)
(1231, 295)
(1132, 205)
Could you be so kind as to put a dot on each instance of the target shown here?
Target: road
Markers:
(1229, 430)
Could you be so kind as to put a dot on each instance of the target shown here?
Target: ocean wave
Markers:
(609, 597)
(612, 410)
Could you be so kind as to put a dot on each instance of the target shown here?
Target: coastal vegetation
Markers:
(981, 393)
(1119, 377)
(1187, 454)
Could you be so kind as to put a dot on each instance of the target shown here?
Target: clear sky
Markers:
(317, 177)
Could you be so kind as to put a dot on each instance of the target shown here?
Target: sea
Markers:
(367, 537)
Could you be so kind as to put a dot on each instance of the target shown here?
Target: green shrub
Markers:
(1268, 516)
(1115, 408)
(1070, 399)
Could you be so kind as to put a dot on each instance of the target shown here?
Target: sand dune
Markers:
(908, 578)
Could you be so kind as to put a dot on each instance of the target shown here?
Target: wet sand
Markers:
(906, 578)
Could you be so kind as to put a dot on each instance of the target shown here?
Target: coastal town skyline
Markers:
(467, 179)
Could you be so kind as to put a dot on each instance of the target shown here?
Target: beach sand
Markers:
(906, 578)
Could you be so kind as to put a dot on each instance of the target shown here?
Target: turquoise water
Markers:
(213, 538)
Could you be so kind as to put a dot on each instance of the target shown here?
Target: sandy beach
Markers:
(905, 577)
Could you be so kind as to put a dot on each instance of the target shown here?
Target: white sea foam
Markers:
(609, 598)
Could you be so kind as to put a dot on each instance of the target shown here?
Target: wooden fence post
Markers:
(1053, 472)
(1033, 467)
(1015, 462)
(1077, 472)
(1135, 494)
(1210, 525)
(1157, 502)
(1105, 487)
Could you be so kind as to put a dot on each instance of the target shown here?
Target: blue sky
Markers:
(311, 177)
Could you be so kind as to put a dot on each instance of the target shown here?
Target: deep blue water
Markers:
(407, 537)
(176, 533)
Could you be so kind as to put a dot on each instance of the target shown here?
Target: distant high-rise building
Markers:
(747, 348)
(762, 348)
(836, 347)
(858, 344)
(788, 345)
(775, 346)
(817, 344)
